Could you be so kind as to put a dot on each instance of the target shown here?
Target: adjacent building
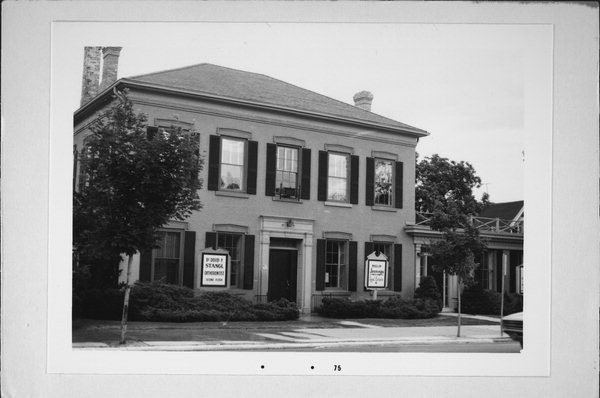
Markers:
(298, 188)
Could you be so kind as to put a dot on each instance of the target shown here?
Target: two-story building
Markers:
(298, 187)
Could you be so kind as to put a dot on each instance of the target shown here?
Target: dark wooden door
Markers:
(282, 274)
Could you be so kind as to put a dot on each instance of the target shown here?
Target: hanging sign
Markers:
(213, 269)
(376, 268)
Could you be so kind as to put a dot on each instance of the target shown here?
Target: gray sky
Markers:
(465, 84)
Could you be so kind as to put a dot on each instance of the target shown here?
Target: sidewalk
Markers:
(305, 333)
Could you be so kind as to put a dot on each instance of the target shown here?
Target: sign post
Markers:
(376, 268)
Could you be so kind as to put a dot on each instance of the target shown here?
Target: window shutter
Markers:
(399, 181)
(370, 185)
(305, 180)
(252, 167)
(320, 274)
(145, 265)
(352, 268)
(397, 267)
(271, 169)
(323, 166)
(189, 254)
(354, 179)
(249, 262)
(211, 240)
(369, 247)
(214, 158)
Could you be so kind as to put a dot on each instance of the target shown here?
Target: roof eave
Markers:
(216, 98)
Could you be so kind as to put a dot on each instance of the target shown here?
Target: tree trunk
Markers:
(459, 289)
(126, 302)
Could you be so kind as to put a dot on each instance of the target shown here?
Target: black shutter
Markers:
(211, 240)
(320, 274)
(397, 267)
(323, 166)
(370, 185)
(214, 158)
(252, 167)
(189, 254)
(399, 181)
(352, 268)
(249, 262)
(305, 180)
(369, 247)
(271, 169)
(145, 265)
(354, 179)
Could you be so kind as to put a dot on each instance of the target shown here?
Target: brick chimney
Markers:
(91, 74)
(363, 100)
(110, 66)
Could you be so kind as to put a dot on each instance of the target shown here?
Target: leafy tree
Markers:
(133, 182)
(444, 188)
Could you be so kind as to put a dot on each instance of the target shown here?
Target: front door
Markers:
(282, 274)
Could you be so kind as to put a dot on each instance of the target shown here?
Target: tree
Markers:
(133, 182)
(444, 188)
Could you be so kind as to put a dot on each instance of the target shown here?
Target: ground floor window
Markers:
(167, 258)
(336, 264)
(386, 248)
(233, 244)
(483, 272)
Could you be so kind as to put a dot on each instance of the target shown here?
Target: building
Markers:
(299, 188)
(502, 227)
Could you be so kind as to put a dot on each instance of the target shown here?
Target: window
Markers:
(233, 244)
(386, 248)
(383, 182)
(337, 177)
(336, 264)
(232, 164)
(483, 272)
(286, 177)
(167, 257)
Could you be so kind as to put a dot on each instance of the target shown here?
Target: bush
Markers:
(428, 289)
(394, 307)
(478, 301)
(162, 302)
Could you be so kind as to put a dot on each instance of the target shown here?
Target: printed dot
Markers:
(262, 366)
(312, 367)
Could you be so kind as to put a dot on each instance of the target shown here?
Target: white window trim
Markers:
(243, 189)
(298, 171)
(332, 202)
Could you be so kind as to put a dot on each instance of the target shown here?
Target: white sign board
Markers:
(213, 269)
(520, 280)
(376, 268)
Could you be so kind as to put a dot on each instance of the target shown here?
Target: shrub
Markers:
(394, 307)
(479, 301)
(428, 289)
(162, 302)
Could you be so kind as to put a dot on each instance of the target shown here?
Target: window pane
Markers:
(166, 270)
(383, 182)
(338, 165)
(231, 177)
(166, 258)
(232, 151)
(335, 266)
(336, 189)
(232, 243)
(287, 172)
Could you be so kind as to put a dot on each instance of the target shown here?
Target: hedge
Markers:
(478, 301)
(394, 307)
(162, 302)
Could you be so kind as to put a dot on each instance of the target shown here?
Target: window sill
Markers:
(338, 204)
(337, 292)
(385, 208)
(276, 199)
(232, 194)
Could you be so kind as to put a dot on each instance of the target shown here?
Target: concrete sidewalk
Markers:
(344, 334)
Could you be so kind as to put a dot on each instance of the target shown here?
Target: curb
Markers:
(201, 346)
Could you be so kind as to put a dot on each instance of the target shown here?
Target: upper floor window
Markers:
(232, 164)
(286, 176)
(384, 182)
(337, 177)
